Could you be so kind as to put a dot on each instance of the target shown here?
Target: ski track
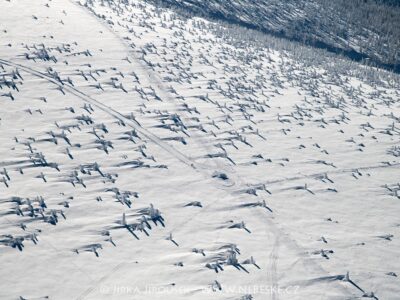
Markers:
(272, 268)
(98, 282)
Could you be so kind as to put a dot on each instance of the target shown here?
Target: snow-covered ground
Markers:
(149, 156)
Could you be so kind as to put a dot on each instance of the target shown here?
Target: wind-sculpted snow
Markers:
(148, 156)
